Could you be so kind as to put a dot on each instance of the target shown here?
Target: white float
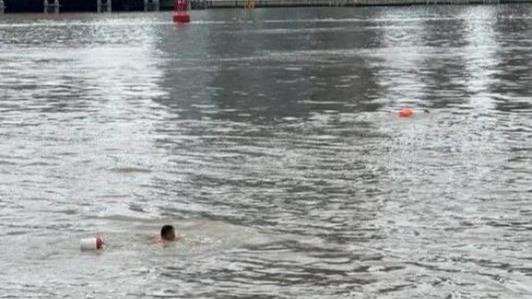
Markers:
(92, 243)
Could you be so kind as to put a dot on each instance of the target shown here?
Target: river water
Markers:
(270, 139)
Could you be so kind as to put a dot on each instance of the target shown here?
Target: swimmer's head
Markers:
(168, 233)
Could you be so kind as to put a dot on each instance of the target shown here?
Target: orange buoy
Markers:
(406, 112)
(180, 14)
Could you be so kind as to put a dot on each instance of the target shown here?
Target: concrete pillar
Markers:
(151, 5)
(104, 5)
(51, 6)
(199, 4)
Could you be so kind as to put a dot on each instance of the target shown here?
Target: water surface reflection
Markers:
(269, 137)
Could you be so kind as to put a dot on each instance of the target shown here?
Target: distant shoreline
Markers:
(341, 3)
(36, 6)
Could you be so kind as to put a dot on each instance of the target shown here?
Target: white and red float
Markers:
(92, 243)
(180, 14)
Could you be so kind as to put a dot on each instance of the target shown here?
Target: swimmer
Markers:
(168, 234)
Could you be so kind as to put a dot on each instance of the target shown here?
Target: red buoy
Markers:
(406, 112)
(181, 18)
(180, 14)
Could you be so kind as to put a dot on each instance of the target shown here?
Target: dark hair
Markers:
(166, 230)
